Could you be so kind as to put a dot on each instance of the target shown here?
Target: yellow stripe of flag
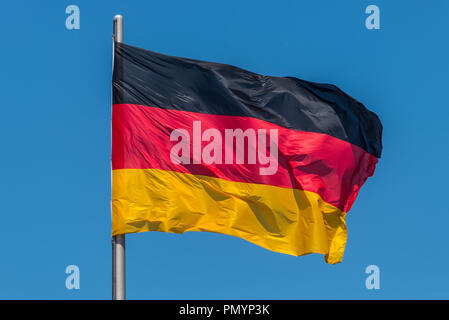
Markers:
(280, 219)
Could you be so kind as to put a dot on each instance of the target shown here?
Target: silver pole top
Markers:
(118, 28)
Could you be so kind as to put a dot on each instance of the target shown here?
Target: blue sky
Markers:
(55, 137)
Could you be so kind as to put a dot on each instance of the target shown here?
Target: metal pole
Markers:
(118, 242)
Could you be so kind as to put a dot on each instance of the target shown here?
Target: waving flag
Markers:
(200, 146)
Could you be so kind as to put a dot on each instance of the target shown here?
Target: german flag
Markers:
(201, 146)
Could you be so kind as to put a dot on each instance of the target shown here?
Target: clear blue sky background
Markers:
(55, 137)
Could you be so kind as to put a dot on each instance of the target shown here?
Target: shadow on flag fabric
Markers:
(201, 146)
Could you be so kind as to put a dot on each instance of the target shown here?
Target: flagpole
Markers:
(118, 242)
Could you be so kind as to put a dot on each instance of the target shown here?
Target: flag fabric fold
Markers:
(201, 146)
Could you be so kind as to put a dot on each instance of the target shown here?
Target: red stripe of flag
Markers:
(333, 168)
